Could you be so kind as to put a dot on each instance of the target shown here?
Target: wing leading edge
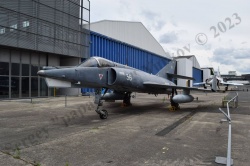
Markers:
(157, 85)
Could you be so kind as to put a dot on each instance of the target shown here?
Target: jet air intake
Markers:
(118, 76)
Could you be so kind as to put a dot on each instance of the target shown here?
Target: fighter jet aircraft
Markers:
(220, 80)
(97, 72)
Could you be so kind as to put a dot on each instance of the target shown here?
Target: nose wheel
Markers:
(103, 114)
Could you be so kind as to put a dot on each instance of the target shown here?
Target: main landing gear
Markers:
(226, 88)
(102, 113)
(126, 99)
(174, 106)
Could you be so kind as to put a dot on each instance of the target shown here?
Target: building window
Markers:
(2, 31)
(14, 87)
(12, 27)
(4, 68)
(25, 86)
(26, 24)
(4, 87)
(15, 69)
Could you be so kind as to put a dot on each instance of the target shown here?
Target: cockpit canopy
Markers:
(97, 62)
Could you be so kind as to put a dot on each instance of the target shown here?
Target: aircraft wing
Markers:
(231, 83)
(199, 83)
(157, 85)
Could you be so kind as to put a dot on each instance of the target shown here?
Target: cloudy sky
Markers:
(217, 32)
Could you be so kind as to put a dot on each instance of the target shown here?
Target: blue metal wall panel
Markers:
(124, 53)
(197, 75)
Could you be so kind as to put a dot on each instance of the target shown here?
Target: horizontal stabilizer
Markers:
(179, 76)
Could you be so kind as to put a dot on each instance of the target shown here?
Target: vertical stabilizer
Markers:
(168, 69)
(214, 83)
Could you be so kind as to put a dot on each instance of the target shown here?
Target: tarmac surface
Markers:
(45, 132)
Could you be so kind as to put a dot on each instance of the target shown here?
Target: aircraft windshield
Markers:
(92, 62)
(97, 62)
(105, 63)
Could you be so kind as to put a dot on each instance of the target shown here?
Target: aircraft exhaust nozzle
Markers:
(181, 98)
(214, 84)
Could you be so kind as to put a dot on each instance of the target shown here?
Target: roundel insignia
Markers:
(100, 76)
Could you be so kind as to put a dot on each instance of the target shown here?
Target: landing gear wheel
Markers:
(103, 114)
(174, 108)
(171, 108)
(126, 100)
(226, 88)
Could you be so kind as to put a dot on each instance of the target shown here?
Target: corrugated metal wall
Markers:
(124, 53)
(197, 75)
(206, 74)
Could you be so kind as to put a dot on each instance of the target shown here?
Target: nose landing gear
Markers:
(102, 113)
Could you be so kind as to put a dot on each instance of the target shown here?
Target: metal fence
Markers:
(66, 100)
(222, 160)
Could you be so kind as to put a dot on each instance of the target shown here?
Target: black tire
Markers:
(105, 115)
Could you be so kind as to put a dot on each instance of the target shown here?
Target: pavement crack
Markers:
(175, 124)
(17, 157)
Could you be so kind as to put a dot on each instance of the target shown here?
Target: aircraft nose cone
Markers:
(41, 73)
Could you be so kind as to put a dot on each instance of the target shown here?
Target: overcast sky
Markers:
(175, 24)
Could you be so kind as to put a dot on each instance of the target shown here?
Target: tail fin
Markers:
(214, 84)
(218, 72)
(168, 69)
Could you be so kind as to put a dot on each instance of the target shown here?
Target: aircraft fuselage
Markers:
(119, 79)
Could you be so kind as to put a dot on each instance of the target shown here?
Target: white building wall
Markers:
(134, 33)
(185, 68)
(206, 74)
(195, 62)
